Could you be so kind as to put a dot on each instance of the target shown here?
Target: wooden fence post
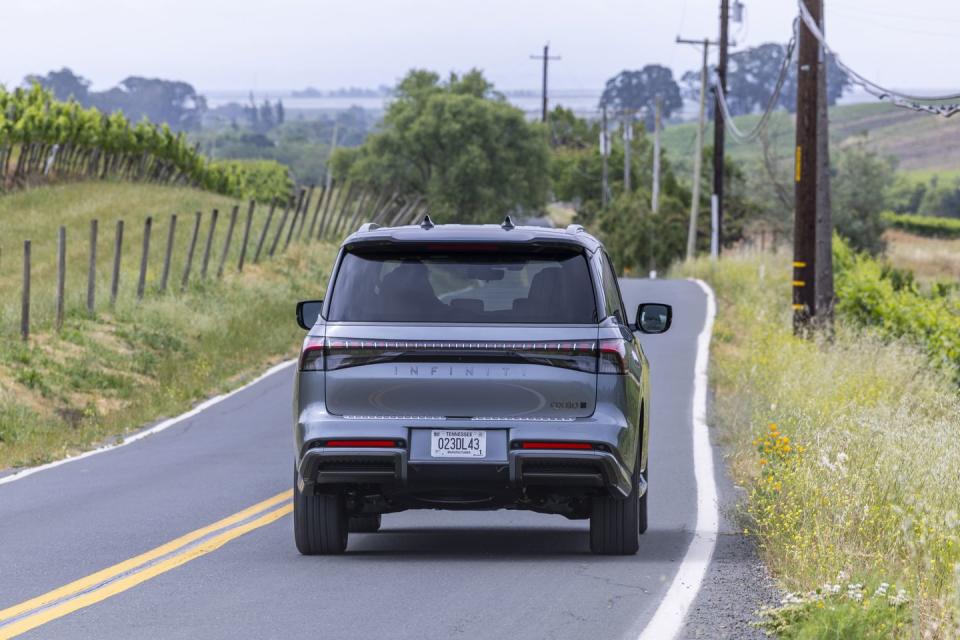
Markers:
(209, 245)
(142, 280)
(332, 192)
(190, 251)
(306, 210)
(263, 233)
(316, 213)
(226, 244)
(246, 236)
(92, 269)
(171, 237)
(296, 213)
(117, 251)
(343, 210)
(25, 303)
(61, 273)
(276, 238)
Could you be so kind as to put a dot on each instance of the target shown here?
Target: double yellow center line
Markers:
(108, 582)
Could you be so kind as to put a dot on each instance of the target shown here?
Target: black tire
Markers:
(615, 524)
(643, 501)
(320, 522)
(365, 523)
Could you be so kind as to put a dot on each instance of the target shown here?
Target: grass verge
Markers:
(848, 452)
(105, 375)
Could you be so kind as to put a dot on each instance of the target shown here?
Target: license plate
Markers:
(458, 444)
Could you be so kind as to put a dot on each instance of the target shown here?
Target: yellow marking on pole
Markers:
(798, 159)
(799, 283)
(799, 265)
(94, 579)
(799, 307)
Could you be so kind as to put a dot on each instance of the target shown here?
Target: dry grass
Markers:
(930, 259)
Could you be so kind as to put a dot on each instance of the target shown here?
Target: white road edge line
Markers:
(668, 619)
(166, 424)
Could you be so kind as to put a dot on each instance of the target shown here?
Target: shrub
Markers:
(929, 226)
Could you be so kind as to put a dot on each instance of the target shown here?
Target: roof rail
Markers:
(368, 226)
(575, 228)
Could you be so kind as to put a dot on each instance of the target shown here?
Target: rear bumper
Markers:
(391, 468)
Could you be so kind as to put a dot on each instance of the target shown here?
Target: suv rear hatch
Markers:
(462, 331)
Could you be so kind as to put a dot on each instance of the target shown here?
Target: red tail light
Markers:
(613, 355)
(360, 444)
(556, 445)
(311, 355)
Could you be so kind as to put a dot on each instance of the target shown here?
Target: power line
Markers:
(771, 105)
(895, 97)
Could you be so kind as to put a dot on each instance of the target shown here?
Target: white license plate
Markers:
(458, 444)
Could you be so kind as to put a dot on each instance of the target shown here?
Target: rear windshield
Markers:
(541, 288)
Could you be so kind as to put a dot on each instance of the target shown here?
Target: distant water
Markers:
(583, 102)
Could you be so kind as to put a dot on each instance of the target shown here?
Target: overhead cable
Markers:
(917, 103)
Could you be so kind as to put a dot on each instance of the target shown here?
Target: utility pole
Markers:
(718, 124)
(604, 154)
(698, 150)
(823, 288)
(627, 144)
(806, 176)
(333, 147)
(546, 59)
(655, 198)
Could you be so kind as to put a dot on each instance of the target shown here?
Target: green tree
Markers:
(637, 91)
(861, 181)
(458, 142)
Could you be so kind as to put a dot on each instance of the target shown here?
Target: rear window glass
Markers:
(465, 287)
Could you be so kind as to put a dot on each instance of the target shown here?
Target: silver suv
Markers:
(472, 367)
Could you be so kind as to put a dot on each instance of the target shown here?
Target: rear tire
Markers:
(320, 522)
(365, 523)
(615, 524)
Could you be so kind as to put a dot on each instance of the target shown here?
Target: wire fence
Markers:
(156, 256)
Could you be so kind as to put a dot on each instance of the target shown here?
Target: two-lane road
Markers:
(72, 537)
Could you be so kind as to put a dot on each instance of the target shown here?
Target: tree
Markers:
(474, 156)
(281, 112)
(752, 78)
(266, 116)
(176, 104)
(64, 84)
(636, 91)
(861, 181)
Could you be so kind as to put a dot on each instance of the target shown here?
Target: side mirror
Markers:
(654, 317)
(307, 313)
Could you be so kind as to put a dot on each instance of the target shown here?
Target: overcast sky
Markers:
(278, 44)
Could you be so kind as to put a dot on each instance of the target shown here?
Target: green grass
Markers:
(924, 145)
(848, 452)
(928, 226)
(103, 376)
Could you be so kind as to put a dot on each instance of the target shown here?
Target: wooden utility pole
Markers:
(698, 150)
(823, 283)
(655, 197)
(546, 59)
(718, 124)
(604, 154)
(806, 174)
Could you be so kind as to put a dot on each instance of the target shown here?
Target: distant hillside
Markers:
(923, 144)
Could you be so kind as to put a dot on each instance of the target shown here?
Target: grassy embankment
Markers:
(848, 450)
(100, 377)
(924, 146)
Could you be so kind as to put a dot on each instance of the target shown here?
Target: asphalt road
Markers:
(427, 574)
